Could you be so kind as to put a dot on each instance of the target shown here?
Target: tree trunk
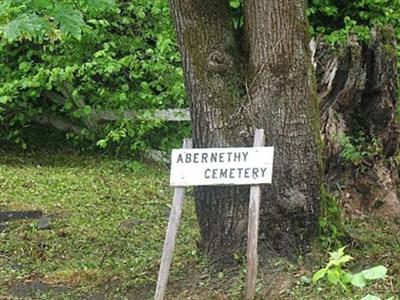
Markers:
(358, 90)
(214, 82)
(237, 81)
(282, 100)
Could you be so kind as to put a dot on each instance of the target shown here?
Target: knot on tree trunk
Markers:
(292, 200)
(218, 62)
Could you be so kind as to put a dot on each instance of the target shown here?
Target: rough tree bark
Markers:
(284, 102)
(240, 80)
(358, 86)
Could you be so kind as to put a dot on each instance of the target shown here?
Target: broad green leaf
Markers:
(29, 25)
(359, 280)
(13, 29)
(333, 276)
(347, 277)
(371, 297)
(100, 4)
(41, 4)
(70, 20)
(319, 275)
(374, 273)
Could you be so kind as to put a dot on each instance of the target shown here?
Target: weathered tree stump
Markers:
(357, 85)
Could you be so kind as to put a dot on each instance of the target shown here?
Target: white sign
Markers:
(221, 166)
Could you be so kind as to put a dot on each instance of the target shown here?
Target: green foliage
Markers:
(102, 212)
(331, 221)
(350, 151)
(334, 269)
(361, 279)
(36, 19)
(357, 150)
(237, 12)
(335, 19)
(336, 275)
(98, 244)
(68, 19)
(70, 58)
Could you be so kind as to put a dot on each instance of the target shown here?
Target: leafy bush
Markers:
(335, 19)
(70, 58)
(357, 150)
(336, 274)
(332, 224)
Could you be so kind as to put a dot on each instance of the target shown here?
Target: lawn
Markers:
(106, 225)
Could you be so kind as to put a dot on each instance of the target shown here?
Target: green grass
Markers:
(107, 231)
(108, 227)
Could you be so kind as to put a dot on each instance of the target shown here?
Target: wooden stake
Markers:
(169, 245)
(252, 229)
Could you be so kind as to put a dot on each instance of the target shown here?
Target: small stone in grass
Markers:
(44, 223)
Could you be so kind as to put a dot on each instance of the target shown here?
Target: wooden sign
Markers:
(218, 166)
(221, 166)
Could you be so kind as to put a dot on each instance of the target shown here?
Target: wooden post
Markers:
(173, 224)
(252, 229)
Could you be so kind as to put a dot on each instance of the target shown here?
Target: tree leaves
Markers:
(36, 18)
(41, 4)
(109, 57)
(100, 4)
(27, 25)
(69, 19)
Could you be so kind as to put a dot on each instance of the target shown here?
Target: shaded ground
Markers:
(106, 226)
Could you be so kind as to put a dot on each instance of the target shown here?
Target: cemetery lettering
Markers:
(234, 173)
(212, 157)
(212, 166)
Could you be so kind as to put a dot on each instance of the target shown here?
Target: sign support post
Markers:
(252, 229)
(173, 224)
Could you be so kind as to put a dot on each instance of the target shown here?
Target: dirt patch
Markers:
(142, 292)
(33, 289)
